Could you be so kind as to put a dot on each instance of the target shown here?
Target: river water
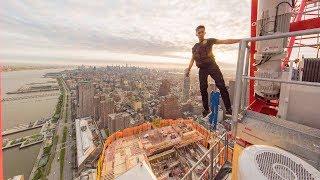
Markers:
(15, 160)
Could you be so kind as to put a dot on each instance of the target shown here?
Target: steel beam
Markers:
(292, 39)
(254, 12)
(305, 24)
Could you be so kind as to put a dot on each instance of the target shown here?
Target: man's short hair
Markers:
(200, 27)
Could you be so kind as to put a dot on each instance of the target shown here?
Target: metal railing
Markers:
(242, 76)
(214, 153)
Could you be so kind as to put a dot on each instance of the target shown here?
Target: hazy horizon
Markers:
(223, 66)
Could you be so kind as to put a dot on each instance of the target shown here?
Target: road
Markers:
(68, 170)
(55, 167)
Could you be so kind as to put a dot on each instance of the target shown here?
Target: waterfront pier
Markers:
(25, 127)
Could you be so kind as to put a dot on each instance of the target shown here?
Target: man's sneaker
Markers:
(229, 111)
(205, 113)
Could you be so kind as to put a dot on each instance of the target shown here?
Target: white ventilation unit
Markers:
(260, 162)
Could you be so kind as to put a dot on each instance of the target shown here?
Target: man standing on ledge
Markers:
(205, 61)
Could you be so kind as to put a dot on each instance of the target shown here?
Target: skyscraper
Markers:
(169, 108)
(118, 121)
(96, 107)
(164, 88)
(107, 107)
(85, 94)
(186, 88)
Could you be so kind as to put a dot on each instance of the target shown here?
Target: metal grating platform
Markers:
(304, 141)
(277, 166)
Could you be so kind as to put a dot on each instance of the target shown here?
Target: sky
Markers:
(98, 32)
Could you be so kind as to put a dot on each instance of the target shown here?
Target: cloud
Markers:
(133, 29)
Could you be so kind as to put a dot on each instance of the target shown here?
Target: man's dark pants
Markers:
(214, 71)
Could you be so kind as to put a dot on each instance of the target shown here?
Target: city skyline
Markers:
(76, 33)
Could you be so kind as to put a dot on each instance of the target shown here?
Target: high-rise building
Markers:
(85, 96)
(186, 88)
(164, 88)
(96, 107)
(107, 107)
(103, 106)
(169, 108)
(87, 142)
(118, 121)
(187, 107)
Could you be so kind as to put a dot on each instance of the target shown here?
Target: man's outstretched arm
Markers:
(227, 41)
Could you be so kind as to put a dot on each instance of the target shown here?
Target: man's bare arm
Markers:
(189, 67)
(227, 41)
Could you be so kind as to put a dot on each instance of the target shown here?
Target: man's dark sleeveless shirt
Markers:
(202, 53)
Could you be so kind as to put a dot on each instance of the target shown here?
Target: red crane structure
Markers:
(305, 15)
